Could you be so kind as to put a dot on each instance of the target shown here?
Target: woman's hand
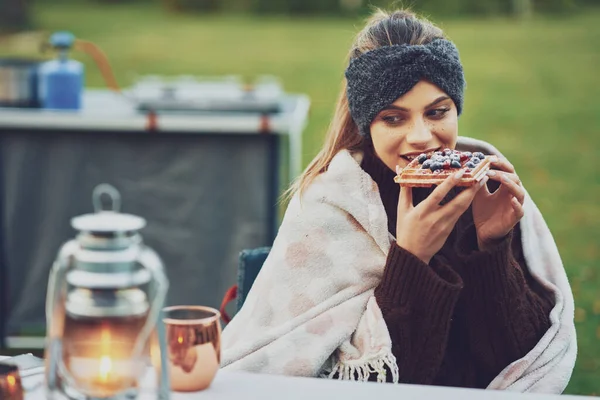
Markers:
(423, 230)
(496, 214)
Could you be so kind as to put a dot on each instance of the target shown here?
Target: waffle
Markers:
(418, 174)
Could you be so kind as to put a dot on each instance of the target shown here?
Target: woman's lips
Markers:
(410, 157)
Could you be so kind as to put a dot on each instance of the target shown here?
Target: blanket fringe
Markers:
(360, 371)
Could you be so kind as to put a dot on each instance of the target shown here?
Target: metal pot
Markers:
(19, 82)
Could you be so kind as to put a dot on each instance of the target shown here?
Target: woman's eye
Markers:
(438, 113)
(392, 119)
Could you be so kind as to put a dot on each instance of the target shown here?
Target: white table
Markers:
(246, 386)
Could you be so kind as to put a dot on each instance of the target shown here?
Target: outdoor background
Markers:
(531, 68)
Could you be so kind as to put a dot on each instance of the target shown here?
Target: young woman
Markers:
(439, 286)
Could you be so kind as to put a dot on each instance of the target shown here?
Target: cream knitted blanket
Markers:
(312, 312)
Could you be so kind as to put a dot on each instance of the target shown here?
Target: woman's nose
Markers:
(420, 135)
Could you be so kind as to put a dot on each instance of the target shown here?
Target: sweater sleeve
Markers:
(417, 302)
(510, 307)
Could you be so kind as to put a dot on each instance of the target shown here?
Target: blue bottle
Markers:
(61, 79)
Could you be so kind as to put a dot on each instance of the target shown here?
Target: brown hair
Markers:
(382, 29)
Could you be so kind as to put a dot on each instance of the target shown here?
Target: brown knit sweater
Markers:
(468, 314)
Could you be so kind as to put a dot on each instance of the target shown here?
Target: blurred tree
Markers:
(555, 6)
(297, 7)
(269, 6)
(438, 8)
(14, 15)
(191, 5)
(351, 5)
(113, 1)
(238, 5)
(522, 8)
(487, 7)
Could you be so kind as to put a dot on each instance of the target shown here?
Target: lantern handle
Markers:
(112, 193)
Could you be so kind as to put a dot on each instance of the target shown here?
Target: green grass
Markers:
(532, 91)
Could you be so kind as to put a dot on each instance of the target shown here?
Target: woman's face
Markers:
(422, 120)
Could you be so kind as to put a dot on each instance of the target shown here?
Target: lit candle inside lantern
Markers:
(113, 365)
(105, 367)
(105, 361)
(102, 364)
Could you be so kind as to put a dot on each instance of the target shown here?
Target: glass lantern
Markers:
(105, 296)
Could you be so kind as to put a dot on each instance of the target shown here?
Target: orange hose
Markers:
(101, 61)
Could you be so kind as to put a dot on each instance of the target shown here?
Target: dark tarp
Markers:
(205, 198)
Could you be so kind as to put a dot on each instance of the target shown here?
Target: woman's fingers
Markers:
(511, 182)
(461, 202)
(405, 201)
(435, 198)
(497, 176)
(517, 208)
(513, 188)
(502, 164)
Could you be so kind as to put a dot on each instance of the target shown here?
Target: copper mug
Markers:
(193, 346)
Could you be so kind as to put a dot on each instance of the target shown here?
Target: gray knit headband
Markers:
(378, 77)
